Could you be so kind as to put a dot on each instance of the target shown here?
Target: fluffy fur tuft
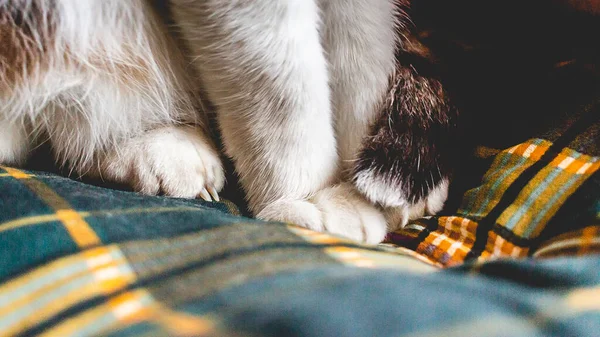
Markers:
(87, 76)
(406, 160)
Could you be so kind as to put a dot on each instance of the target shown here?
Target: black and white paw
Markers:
(177, 161)
(406, 161)
(403, 200)
(399, 216)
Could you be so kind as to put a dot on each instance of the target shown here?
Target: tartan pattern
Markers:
(80, 260)
(516, 231)
(83, 260)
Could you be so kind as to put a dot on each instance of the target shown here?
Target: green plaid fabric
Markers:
(84, 260)
(81, 260)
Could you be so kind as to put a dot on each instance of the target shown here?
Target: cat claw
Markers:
(210, 194)
(205, 195)
(213, 192)
(177, 160)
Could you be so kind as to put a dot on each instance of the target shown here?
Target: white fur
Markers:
(272, 68)
(359, 37)
(437, 197)
(399, 216)
(176, 160)
(379, 190)
(398, 209)
(107, 74)
(14, 146)
(339, 209)
(262, 65)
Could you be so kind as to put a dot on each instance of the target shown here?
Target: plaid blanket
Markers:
(81, 260)
(540, 198)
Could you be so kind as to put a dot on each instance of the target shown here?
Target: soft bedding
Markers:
(82, 260)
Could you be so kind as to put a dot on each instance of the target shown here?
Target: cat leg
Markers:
(20, 55)
(405, 162)
(14, 143)
(359, 39)
(263, 67)
(109, 91)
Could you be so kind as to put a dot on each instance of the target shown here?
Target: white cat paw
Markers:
(177, 161)
(399, 216)
(339, 210)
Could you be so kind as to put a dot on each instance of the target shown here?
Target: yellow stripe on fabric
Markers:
(582, 241)
(589, 235)
(557, 204)
(40, 219)
(315, 237)
(99, 271)
(128, 309)
(183, 324)
(363, 258)
(505, 169)
(499, 324)
(544, 191)
(29, 221)
(508, 215)
(14, 173)
(81, 232)
(78, 228)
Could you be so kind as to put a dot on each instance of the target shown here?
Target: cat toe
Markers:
(379, 190)
(347, 213)
(176, 161)
(435, 200)
(339, 210)
(399, 216)
(302, 213)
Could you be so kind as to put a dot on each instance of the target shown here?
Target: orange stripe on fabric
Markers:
(587, 238)
(582, 165)
(497, 246)
(81, 232)
(17, 174)
(78, 228)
